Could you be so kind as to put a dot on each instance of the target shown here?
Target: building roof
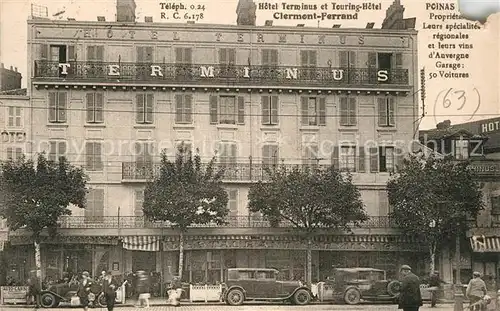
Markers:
(486, 128)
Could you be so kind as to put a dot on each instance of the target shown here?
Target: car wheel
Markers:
(301, 297)
(48, 300)
(101, 300)
(352, 296)
(235, 297)
(393, 288)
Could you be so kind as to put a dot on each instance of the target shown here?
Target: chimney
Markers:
(443, 125)
(1, 65)
(11, 69)
(125, 11)
(148, 19)
(101, 18)
(15, 69)
(246, 12)
(394, 16)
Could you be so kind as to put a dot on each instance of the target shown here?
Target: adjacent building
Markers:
(479, 142)
(111, 95)
(10, 79)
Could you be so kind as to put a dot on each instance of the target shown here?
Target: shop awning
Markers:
(480, 243)
(146, 243)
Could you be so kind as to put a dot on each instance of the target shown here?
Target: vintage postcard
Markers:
(262, 154)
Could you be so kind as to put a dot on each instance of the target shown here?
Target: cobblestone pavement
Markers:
(251, 307)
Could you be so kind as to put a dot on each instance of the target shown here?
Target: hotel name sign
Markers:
(202, 36)
(289, 73)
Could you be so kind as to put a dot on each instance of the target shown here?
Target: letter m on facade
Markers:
(207, 72)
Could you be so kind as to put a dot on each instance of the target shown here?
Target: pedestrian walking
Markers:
(143, 287)
(434, 287)
(476, 290)
(109, 287)
(83, 291)
(410, 298)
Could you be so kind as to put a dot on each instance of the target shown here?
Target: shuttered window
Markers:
(93, 155)
(270, 155)
(232, 202)
(144, 54)
(57, 107)
(57, 149)
(227, 56)
(227, 110)
(347, 160)
(228, 153)
(269, 110)
(15, 117)
(95, 107)
(270, 58)
(183, 55)
(144, 108)
(348, 111)
(386, 108)
(138, 202)
(313, 111)
(94, 211)
(95, 53)
(14, 153)
(183, 108)
(347, 59)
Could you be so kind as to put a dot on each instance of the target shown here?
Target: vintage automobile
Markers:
(256, 284)
(351, 285)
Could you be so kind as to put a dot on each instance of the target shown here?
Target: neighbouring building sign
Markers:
(289, 73)
(12, 137)
(490, 126)
(485, 168)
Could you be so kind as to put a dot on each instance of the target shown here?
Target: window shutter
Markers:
(149, 54)
(304, 58)
(232, 56)
(61, 111)
(52, 106)
(372, 60)
(213, 109)
(382, 111)
(100, 53)
(313, 60)
(99, 203)
(303, 108)
(374, 160)
(344, 112)
(71, 53)
(179, 55)
(274, 57)
(188, 55)
(149, 108)
(89, 155)
(44, 51)
(233, 203)
(274, 109)
(322, 111)
(90, 107)
(352, 111)
(266, 111)
(188, 108)
(178, 108)
(53, 149)
(265, 57)
(61, 148)
(352, 59)
(99, 106)
(335, 157)
(10, 152)
(98, 157)
(140, 108)
(140, 54)
(266, 154)
(233, 153)
(223, 56)
(390, 111)
(361, 159)
(241, 110)
(343, 61)
(398, 60)
(91, 55)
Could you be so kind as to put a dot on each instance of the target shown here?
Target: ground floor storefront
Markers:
(207, 257)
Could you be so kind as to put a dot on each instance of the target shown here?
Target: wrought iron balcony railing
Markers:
(135, 171)
(139, 222)
(166, 73)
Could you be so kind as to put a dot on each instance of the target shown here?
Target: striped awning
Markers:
(146, 243)
(480, 243)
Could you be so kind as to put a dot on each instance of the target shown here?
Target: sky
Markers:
(459, 100)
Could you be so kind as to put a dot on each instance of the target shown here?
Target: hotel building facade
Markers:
(111, 95)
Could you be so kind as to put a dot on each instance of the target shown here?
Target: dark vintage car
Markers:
(255, 284)
(64, 292)
(351, 285)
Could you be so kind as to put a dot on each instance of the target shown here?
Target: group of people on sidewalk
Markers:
(410, 298)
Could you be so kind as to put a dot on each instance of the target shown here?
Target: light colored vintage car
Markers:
(256, 284)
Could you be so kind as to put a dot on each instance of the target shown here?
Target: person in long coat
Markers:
(410, 298)
(84, 290)
(109, 287)
(143, 288)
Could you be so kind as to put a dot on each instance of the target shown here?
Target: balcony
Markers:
(138, 222)
(214, 74)
(244, 172)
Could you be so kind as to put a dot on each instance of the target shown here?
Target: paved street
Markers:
(447, 307)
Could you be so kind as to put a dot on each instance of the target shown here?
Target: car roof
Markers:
(252, 269)
(354, 270)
